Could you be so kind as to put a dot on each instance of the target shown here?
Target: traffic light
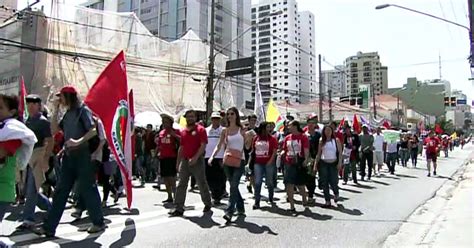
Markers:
(453, 101)
(450, 101)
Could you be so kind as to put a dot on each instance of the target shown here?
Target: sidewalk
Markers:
(446, 220)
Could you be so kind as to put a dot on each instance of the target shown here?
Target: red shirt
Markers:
(340, 136)
(264, 147)
(432, 144)
(294, 145)
(167, 144)
(191, 140)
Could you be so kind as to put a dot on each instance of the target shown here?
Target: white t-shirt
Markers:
(213, 136)
(378, 142)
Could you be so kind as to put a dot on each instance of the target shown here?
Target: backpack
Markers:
(95, 140)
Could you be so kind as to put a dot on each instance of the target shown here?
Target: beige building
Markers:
(365, 68)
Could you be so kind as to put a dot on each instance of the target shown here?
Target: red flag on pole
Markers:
(22, 112)
(356, 125)
(341, 124)
(115, 113)
(132, 115)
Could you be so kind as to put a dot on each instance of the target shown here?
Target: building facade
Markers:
(365, 68)
(6, 9)
(425, 97)
(283, 45)
(171, 19)
(336, 80)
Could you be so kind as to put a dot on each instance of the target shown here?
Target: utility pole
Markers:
(210, 77)
(398, 109)
(373, 99)
(330, 99)
(321, 97)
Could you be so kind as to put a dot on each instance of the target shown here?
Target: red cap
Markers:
(312, 116)
(67, 89)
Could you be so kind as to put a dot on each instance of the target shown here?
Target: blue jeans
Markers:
(235, 200)
(33, 198)
(262, 170)
(76, 167)
(3, 209)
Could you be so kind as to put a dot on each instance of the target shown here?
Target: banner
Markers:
(115, 113)
(391, 136)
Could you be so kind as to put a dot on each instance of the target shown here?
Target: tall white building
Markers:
(171, 19)
(365, 68)
(336, 80)
(283, 46)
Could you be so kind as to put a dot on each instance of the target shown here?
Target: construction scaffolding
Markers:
(165, 76)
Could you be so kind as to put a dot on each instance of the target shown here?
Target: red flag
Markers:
(114, 111)
(341, 124)
(356, 125)
(438, 129)
(22, 112)
(386, 124)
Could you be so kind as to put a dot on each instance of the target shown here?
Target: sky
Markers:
(409, 44)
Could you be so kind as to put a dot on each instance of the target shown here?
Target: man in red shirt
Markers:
(432, 144)
(191, 162)
(167, 149)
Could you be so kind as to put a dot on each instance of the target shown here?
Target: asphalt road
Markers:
(367, 214)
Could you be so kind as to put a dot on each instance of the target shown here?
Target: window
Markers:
(262, 47)
(275, 71)
(264, 40)
(253, 10)
(264, 73)
(275, 64)
(263, 8)
(264, 60)
(265, 33)
(286, 56)
(265, 53)
(285, 22)
(286, 49)
(286, 77)
(219, 18)
(286, 84)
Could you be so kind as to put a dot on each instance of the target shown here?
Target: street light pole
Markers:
(210, 77)
(383, 6)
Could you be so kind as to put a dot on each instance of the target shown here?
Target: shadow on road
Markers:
(344, 210)
(204, 221)
(443, 177)
(363, 186)
(350, 190)
(249, 226)
(379, 182)
(120, 211)
(406, 176)
(315, 216)
(127, 236)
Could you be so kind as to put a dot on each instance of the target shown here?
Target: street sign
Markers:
(461, 101)
(238, 67)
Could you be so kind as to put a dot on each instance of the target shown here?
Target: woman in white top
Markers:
(328, 163)
(232, 137)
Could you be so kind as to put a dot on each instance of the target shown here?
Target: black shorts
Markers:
(431, 156)
(295, 175)
(168, 167)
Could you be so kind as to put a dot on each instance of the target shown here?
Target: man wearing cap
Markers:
(313, 136)
(78, 127)
(39, 161)
(167, 151)
(215, 172)
(191, 162)
(367, 152)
